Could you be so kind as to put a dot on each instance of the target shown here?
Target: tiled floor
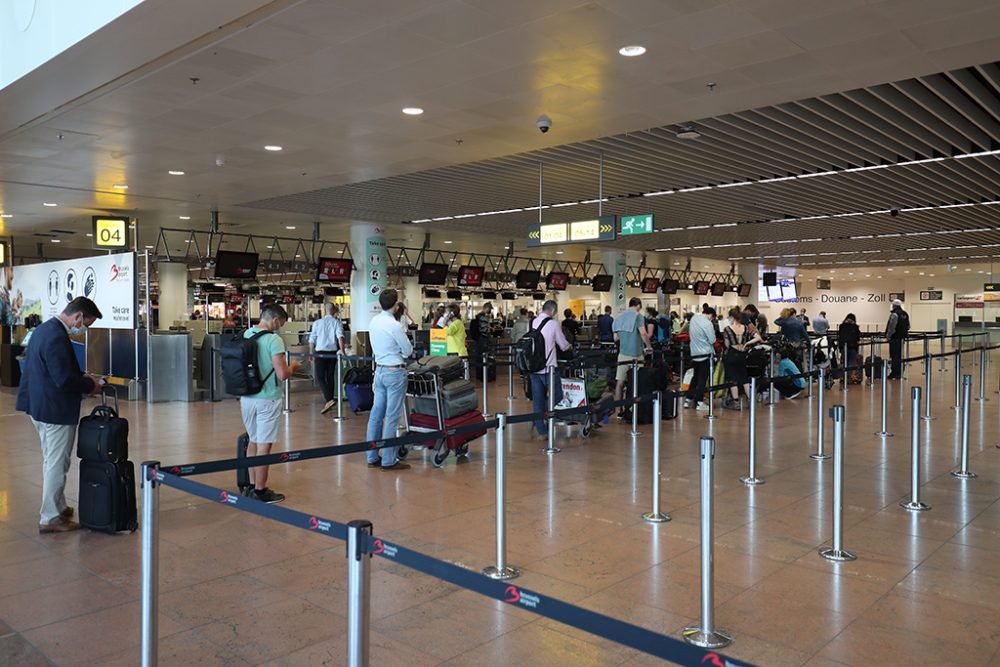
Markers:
(238, 590)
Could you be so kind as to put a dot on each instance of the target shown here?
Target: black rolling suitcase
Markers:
(874, 369)
(242, 474)
(102, 436)
(107, 496)
(650, 380)
(668, 404)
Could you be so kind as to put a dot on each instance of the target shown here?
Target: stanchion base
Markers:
(487, 415)
(711, 417)
(830, 553)
(656, 517)
(819, 457)
(964, 474)
(982, 398)
(751, 481)
(551, 450)
(716, 638)
(503, 573)
(288, 411)
(956, 407)
(914, 507)
(634, 434)
(337, 420)
(927, 418)
(884, 434)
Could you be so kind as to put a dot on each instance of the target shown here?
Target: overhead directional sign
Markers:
(636, 224)
(110, 232)
(581, 231)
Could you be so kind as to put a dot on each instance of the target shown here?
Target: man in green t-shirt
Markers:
(633, 344)
(262, 411)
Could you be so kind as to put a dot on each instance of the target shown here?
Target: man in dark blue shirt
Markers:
(604, 322)
(51, 389)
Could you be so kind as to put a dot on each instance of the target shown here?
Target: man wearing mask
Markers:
(51, 389)
(896, 331)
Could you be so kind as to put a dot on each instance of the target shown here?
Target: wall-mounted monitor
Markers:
(538, 296)
(556, 280)
(432, 293)
(650, 285)
(334, 270)
(508, 296)
(236, 265)
(744, 290)
(432, 274)
(471, 276)
(769, 279)
(527, 279)
(670, 286)
(602, 283)
(701, 287)
(454, 294)
(718, 289)
(333, 291)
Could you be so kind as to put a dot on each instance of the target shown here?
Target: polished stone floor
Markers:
(239, 590)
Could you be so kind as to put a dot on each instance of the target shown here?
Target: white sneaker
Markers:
(688, 403)
(701, 407)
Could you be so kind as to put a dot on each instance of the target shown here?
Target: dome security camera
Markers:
(544, 123)
(894, 212)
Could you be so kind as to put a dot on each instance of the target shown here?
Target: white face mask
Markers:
(78, 331)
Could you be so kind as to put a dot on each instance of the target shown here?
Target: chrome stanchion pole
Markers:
(751, 479)
(809, 380)
(837, 551)
(927, 389)
(770, 377)
(982, 374)
(706, 635)
(885, 389)
(656, 516)
(914, 504)
(465, 366)
(635, 396)
(906, 355)
(510, 373)
(149, 531)
(942, 353)
(711, 394)
(288, 386)
(340, 389)
(926, 350)
(501, 570)
(847, 372)
(486, 384)
(821, 422)
(871, 357)
(551, 421)
(963, 470)
(958, 378)
(358, 592)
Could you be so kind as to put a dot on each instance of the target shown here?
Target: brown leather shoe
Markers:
(398, 465)
(330, 405)
(67, 513)
(60, 525)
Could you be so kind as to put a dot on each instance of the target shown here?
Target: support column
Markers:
(750, 272)
(413, 296)
(369, 276)
(172, 278)
(614, 263)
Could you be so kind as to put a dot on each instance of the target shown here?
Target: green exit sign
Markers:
(637, 224)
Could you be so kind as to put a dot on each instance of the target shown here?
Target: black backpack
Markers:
(240, 366)
(529, 351)
(475, 329)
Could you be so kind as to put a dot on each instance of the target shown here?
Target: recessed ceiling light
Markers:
(90, 235)
(298, 255)
(448, 242)
(968, 269)
(632, 51)
(274, 148)
(57, 240)
(868, 275)
(184, 217)
(149, 247)
(412, 111)
(270, 247)
(340, 252)
(289, 226)
(175, 172)
(890, 269)
(559, 252)
(120, 186)
(906, 271)
(706, 266)
(187, 240)
(931, 275)
(6, 215)
(45, 203)
(921, 273)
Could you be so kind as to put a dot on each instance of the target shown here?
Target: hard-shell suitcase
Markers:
(242, 474)
(447, 368)
(102, 436)
(360, 397)
(650, 380)
(107, 496)
(874, 369)
(458, 440)
(457, 398)
(668, 404)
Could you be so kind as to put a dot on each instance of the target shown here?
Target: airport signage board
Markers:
(931, 295)
(636, 224)
(439, 342)
(991, 287)
(110, 232)
(581, 231)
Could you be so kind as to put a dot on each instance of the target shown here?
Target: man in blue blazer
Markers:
(51, 389)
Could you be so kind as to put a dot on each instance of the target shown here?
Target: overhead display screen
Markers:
(602, 228)
(432, 274)
(718, 289)
(528, 279)
(236, 265)
(557, 280)
(470, 276)
(701, 287)
(745, 289)
(602, 283)
(334, 270)
(650, 285)
(670, 286)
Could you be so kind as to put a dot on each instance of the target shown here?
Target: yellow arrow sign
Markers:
(533, 235)
(605, 228)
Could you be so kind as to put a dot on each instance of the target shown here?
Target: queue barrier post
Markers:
(963, 470)
(982, 374)
(288, 386)
(711, 394)
(150, 533)
(885, 390)
(501, 570)
(926, 350)
(871, 379)
(770, 378)
(751, 479)
(510, 373)
(358, 592)
(927, 390)
(914, 504)
(958, 377)
(906, 355)
(837, 551)
(809, 381)
(942, 352)
(635, 397)
(340, 389)
(847, 372)
(706, 635)
(551, 420)
(820, 423)
(486, 384)
(656, 516)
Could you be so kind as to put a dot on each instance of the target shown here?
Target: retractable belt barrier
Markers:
(948, 355)
(607, 627)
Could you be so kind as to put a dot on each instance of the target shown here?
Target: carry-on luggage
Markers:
(447, 369)
(650, 380)
(107, 496)
(242, 474)
(458, 441)
(668, 404)
(457, 398)
(361, 397)
(102, 436)
(359, 375)
(874, 369)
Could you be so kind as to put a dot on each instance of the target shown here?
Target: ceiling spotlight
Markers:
(57, 240)
(184, 217)
(448, 242)
(412, 111)
(632, 51)
(559, 252)
(175, 172)
(6, 215)
(89, 235)
(289, 226)
(120, 186)
(274, 148)
(688, 132)
(45, 203)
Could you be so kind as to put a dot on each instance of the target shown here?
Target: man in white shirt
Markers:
(327, 340)
(390, 347)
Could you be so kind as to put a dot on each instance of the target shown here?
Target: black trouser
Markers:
(326, 376)
(895, 358)
(786, 386)
(696, 392)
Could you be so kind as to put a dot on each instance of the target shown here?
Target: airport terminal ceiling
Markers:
(809, 140)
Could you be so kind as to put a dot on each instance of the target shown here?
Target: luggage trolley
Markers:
(574, 390)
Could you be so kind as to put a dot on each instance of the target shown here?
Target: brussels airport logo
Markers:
(316, 523)
(119, 273)
(716, 660)
(380, 548)
(227, 498)
(53, 287)
(513, 595)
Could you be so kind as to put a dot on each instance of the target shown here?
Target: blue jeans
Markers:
(540, 396)
(389, 388)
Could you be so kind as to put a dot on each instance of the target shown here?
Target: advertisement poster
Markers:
(376, 265)
(439, 343)
(107, 280)
(574, 393)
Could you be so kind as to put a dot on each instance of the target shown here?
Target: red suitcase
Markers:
(458, 442)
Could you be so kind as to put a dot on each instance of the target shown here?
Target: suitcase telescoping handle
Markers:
(107, 390)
